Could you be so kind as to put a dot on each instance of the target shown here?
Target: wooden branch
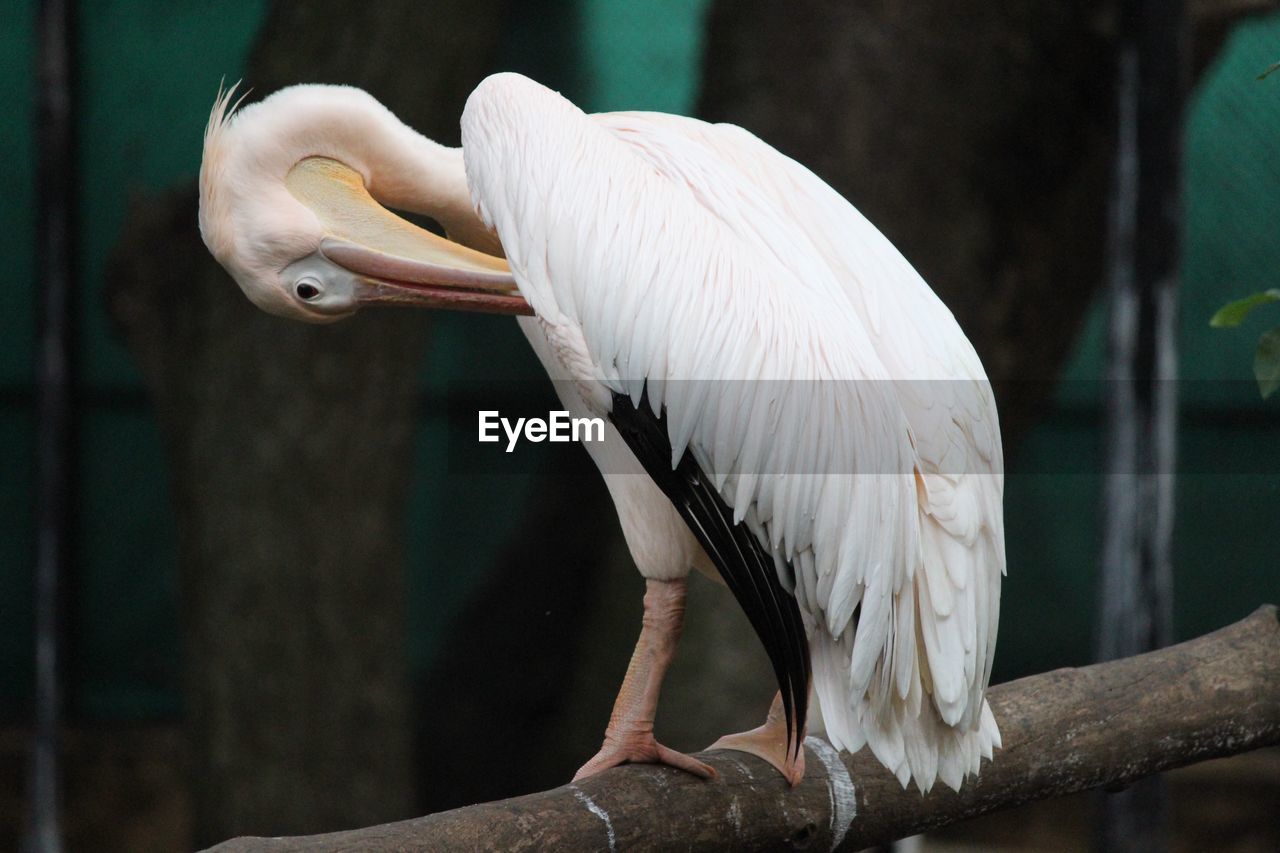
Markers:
(1064, 731)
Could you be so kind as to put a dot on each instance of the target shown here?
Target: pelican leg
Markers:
(629, 735)
(770, 743)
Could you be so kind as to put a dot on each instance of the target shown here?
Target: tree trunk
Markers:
(289, 454)
(974, 135)
(977, 136)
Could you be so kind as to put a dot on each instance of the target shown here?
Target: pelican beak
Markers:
(395, 261)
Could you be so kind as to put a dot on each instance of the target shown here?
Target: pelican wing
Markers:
(944, 395)
(720, 288)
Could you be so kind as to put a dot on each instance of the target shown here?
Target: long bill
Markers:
(396, 262)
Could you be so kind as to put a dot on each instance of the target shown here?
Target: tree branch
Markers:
(1064, 731)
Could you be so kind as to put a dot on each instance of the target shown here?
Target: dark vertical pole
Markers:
(54, 283)
(1137, 578)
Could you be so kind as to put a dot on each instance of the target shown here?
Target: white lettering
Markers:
(587, 425)
(513, 435)
(559, 427)
(486, 424)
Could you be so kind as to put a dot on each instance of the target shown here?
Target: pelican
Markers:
(790, 408)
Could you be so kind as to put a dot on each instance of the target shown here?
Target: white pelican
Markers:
(816, 429)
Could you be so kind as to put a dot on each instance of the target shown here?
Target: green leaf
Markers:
(1233, 313)
(1266, 362)
(1264, 74)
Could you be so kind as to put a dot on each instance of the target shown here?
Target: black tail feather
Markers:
(746, 565)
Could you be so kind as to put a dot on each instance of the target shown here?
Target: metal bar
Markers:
(1136, 607)
(55, 187)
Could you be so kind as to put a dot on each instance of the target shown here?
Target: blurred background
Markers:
(300, 597)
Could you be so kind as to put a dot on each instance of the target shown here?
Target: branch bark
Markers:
(1064, 731)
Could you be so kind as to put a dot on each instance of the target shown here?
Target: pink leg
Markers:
(770, 743)
(629, 735)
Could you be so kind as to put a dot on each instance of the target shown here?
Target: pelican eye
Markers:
(306, 290)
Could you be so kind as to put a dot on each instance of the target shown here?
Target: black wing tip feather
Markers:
(743, 561)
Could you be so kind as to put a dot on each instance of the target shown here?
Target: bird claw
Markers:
(640, 748)
(764, 742)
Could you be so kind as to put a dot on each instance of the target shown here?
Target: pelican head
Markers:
(292, 195)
